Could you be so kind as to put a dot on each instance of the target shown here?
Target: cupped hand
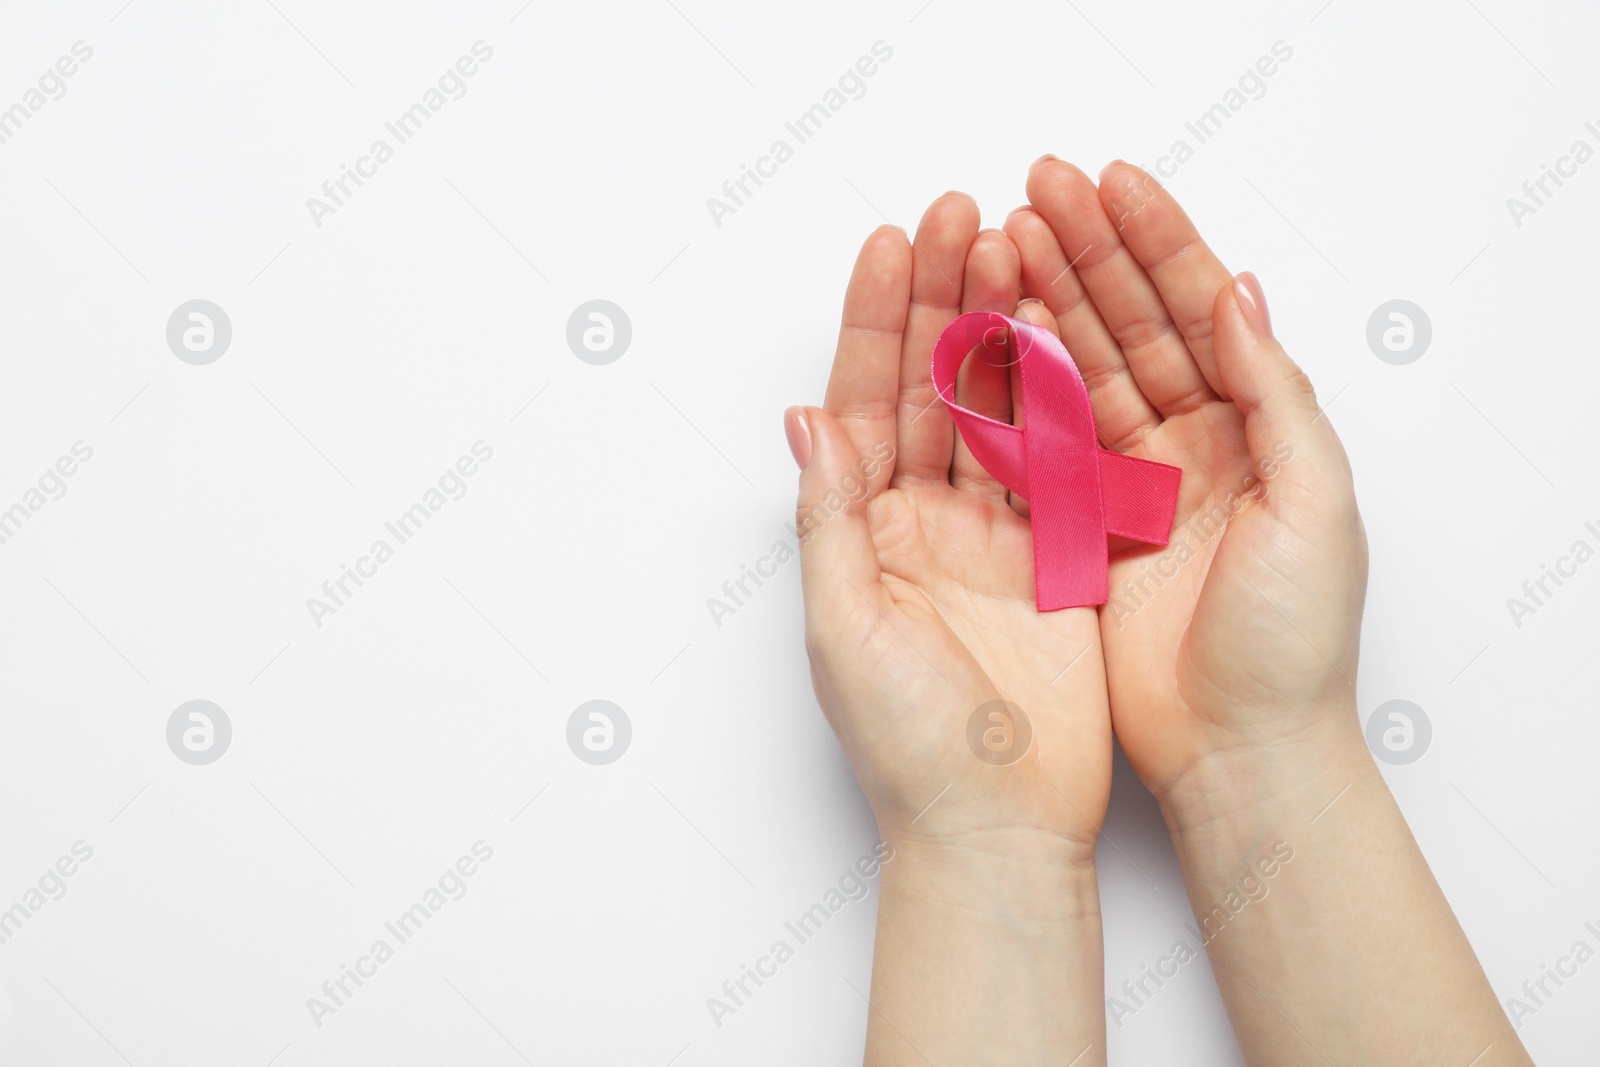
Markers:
(1242, 633)
(918, 572)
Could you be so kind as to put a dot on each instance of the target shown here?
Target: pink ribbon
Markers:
(1078, 492)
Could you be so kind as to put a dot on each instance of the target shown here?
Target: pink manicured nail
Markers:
(797, 428)
(1253, 302)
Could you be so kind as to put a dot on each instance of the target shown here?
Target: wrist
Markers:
(1238, 795)
(986, 954)
(996, 830)
(1027, 877)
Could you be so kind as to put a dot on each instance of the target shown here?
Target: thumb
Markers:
(1283, 424)
(836, 549)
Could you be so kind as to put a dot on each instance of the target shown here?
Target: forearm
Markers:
(1328, 935)
(987, 957)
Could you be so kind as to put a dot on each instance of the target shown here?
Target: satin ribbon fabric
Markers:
(1078, 492)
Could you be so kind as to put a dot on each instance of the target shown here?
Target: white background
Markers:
(368, 354)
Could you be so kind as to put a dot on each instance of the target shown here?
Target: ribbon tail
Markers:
(1140, 495)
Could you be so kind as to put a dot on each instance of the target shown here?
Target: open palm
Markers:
(918, 572)
(1249, 619)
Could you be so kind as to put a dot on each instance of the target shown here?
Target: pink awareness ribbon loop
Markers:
(1078, 492)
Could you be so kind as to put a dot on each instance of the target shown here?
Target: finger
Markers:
(1282, 420)
(864, 386)
(1121, 413)
(1034, 312)
(1186, 273)
(922, 428)
(983, 384)
(1127, 301)
(837, 557)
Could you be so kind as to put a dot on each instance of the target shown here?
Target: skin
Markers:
(1232, 681)
(1224, 662)
(919, 610)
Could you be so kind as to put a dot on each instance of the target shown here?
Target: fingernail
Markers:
(1253, 302)
(1046, 158)
(797, 428)
(1113, 163)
